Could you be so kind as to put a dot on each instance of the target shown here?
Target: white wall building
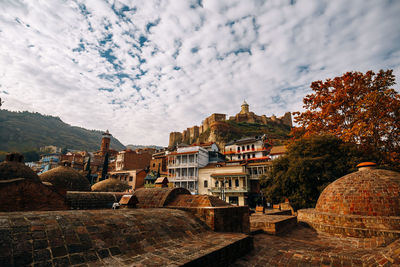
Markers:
(228, 181)
(183, 167)
(246, 148)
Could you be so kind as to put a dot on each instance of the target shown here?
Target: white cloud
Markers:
(144, 68)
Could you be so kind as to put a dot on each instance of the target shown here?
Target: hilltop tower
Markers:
(245, 108)
(105, 143)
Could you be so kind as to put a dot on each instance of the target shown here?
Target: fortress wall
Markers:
(175, 138)
(114, 238)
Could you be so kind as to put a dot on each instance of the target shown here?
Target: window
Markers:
(248, 147)
(252, 146)
(234, 200)
(238, 149)
(230, 183)
(238, 156)
(216, 183)
(243, 148)
(205, 184)
(130, 178)
(237, 182)
(154, 164)
(254, 155)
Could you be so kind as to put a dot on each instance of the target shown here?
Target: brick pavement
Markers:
(305, 247)
(128, 237)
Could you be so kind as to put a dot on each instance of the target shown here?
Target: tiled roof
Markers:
(276, 150)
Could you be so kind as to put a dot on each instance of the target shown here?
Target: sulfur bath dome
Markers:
(66, 178)
(14, 167)
(110, 185)
(367, 192)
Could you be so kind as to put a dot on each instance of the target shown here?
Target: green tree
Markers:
(31, 155)
(104, 171)
(309, 166)
(88, 172)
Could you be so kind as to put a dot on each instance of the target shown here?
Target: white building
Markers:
(228, 181)
(277, 151)
(247, 148)
(183, 167)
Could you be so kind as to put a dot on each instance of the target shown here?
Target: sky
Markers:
(142, 69)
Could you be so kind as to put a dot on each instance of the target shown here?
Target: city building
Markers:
(277, 151)
(158, 162)
(184, 164)
(228, 181)
(255, 148)
(134, 178)
(132, 160)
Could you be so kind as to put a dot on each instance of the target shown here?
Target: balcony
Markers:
(239, 189)
(183, 178)
(183, 165)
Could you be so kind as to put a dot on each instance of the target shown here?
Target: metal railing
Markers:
(239, 189)
(182, 178)
(183, 165)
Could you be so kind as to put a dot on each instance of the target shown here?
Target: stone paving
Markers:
(305, 247)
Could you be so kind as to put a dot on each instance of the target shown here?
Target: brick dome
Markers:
(66, 178)
(110, 185)
(370, 192)
(14, 167)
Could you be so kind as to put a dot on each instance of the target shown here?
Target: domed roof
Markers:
(110, 185)
(13, 167)
(66, 178)
(369, 192)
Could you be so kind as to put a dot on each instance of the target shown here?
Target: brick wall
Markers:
(371, 230)
(92, 200)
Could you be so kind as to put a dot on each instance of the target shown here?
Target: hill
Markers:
(134, 147)
(223, 132)
(23, 131)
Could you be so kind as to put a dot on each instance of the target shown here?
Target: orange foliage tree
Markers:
(358, 108)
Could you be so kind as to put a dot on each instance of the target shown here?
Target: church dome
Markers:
(66, 178)
(13, 167)
(367, 192)
(110, 185)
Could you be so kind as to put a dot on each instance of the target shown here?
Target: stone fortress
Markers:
(192, 134)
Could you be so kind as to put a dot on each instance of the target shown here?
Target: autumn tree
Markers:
(360, 108)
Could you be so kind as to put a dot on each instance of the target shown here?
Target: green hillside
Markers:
(23, 131)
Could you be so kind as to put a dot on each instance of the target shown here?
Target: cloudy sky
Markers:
(144, 68)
